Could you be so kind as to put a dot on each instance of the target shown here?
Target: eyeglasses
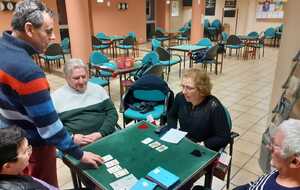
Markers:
(273, 146)
(188, 88)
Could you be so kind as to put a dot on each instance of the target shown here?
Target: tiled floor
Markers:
(245, 88)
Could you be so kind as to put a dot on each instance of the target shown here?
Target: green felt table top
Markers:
(139, 159)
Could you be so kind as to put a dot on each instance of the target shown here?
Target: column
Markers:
(79, 23)
(289, 46)
(197, 25)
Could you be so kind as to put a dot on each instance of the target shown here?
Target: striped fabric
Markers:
(25, 99)
(266, 182)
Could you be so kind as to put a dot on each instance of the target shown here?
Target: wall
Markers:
(112, 21)
(177, 21)
(288, 48)
(6, 16)
(247, 21)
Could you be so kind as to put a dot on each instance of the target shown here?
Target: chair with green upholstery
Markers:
(126, 45)
(65, 45)
(155, 44)
(269, 34)
(168, 60)
(234, 42)
(184, 36)
(233, 135)
(98, 45)
(103, 69)
(53, 54)
(204, 42)
(149, 95)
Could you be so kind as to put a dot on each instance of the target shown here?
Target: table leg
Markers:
(208, 177)
(121, 87)
(184, 60)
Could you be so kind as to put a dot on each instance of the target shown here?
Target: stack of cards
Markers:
(155, 145)
(113, 166)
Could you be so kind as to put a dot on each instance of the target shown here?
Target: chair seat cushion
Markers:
(182, 38)
(50, 57)
(173, 61)
(98, 81)
(100, 46)
(125, 46)
(234, 46)
(133, 114)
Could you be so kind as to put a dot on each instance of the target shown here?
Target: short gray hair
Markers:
(72, 64)
(291, 141)
(29, 11)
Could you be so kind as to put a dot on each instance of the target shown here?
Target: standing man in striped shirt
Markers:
(285, 149)
(24, 91)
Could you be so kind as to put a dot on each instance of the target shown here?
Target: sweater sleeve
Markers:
(220, 128)
(35, 96)
(111, 118)
(173, 114)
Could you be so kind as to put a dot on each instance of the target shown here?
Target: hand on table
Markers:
(91, 159)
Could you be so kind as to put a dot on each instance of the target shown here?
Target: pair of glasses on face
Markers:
(187, 87)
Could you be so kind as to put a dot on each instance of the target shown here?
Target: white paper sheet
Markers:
(173, 136)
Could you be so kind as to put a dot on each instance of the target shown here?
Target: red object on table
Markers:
(143, 126)
(125, 62)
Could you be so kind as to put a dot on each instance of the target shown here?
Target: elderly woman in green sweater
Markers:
(84, 108)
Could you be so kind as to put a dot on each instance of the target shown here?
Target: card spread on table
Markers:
(107, 158)
(111, 163)
(161, 148)
(147, 140)
(154, 144)
(114, 169)
(121, 173)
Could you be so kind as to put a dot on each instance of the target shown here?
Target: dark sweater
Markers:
(206, 122)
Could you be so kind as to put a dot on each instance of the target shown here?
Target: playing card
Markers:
(147, 140)
(121, 173)
(107, 158)
(111, 163)
(114, 169)
(161, 148)
(154, 144)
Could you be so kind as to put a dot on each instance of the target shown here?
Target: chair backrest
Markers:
(280, 28)
(204, 42)
(270, 32)
(97, 58)
(228, 117)
(206, 24)
(253, 34)
(224, 36)
(212, 53)
(159, 29)
(65, 43)
(159, 33)
(54, 49)
(129, 40)
(217, 24)
(148, 62)
(156, 88)
(234, 40)
(133, 35)
(155, 43)
(186, 33)
(163, 54)
(101, 35)
(96, 41)
(149, 95)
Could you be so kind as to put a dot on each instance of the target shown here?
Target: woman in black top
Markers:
(199, 113)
